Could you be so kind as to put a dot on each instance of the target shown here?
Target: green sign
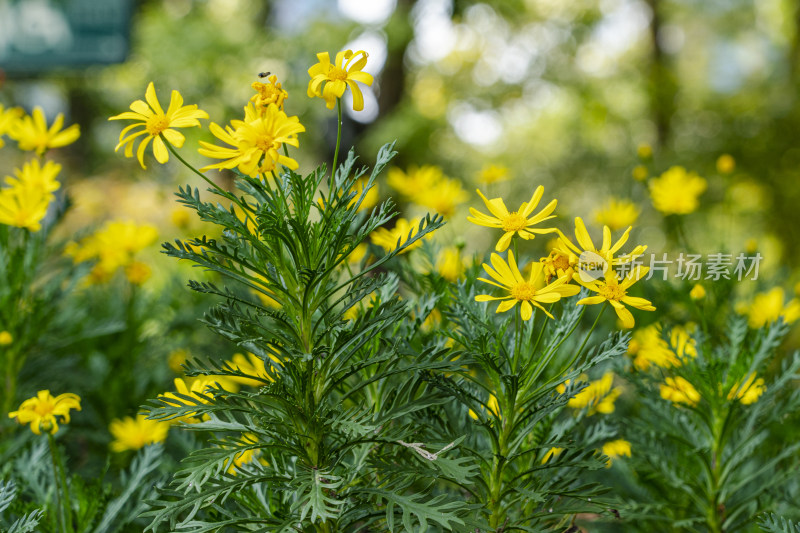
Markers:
(40, 35)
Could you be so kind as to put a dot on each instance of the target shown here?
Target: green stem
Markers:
(219, 189)
(338, 136)
(62, 495)
(713, 515)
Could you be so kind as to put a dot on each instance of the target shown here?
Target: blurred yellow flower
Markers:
(514, 222)
(749, 391)
(676, 191)
(246, 456)
(156, 125)
(615, 293)
(114, 246)
(640, 173)
(726, 164)
(415, 180)
(256, 141)
(268, 93)
(551, 453)
(329, 80)
(180, 217)
(768, 306)
(678, 390)
(193, 390)
(390, 239)
(37, 177)
(617, 214)
(176, 358)
(698, 292)
(493, 174)
(507, 276)
(491, 406)
(616, 448)
(136, 433)
(43, 411)
(648, 347)
(598, 396)
(644, 151)
(23, 207)
(251, 365)
(8, 118)
(31, 132)
(137, 272)
(450, 264)
(443, 197)
(5, 338)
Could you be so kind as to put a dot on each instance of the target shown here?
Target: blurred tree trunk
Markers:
(661, 81)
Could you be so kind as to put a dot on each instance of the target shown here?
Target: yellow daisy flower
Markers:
(256, 141)
(136, 433)
(648, 347)
(493, 174)
(605, 252)
(615, 293)
(415, 180)
(193, 389)
(599, 396)
(676, 191)
(443, 197)
(403, 230)
(43, 411)
(23, 207)
(450, 264)
(31, 132)
(768, 306)
(508, 277)
(617, 214)
(36, 176)
(157, 125)
(749, 391)
(678, 390)
(329, 80)
(616, 448)
(512, 222)
(5, 338)
(8, 117)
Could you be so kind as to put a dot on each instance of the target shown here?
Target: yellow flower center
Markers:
(156, 124)
(523, 291)
(265, 143)
(612, 292)
(337, 73)
(561, 262)
(514, 222)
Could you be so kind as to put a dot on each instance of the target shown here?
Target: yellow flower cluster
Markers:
(564, 261)
(597, 397)
(255, 142)
(43, 412)
(113, 247)
(27, 195)
(428, 186)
